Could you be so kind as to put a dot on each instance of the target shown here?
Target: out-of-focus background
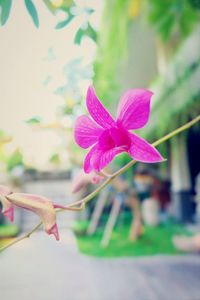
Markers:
(127, 243)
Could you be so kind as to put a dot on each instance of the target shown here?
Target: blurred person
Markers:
(160, 191)
(128, 195)
(133, 202)
(144, 205)
(143, 182)
(134, 196)
(150, 211)
(154, 196)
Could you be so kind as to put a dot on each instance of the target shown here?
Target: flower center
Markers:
(114, 137)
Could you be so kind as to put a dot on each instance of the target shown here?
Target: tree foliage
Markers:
(67, 6)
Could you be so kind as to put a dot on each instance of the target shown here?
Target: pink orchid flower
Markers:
(7, 207)
(82, 180)
(109, 137)
(42, 206)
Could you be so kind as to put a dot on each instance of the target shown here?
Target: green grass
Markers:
(155, 240)
(8, 231)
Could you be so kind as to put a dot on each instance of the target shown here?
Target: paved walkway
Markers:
(42, 269)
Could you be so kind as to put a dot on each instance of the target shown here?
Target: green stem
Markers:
(21, 237)
(89, 197)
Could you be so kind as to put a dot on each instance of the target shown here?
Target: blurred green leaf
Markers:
(89, 31)
(188, 20)
(16, 159)
(32, 12)
(165, 26)
(34, 120)
(65, 5)
(64, 23)
(78, 37)
(55, 158)
(173, 16)
(89, 10)
(5, 10)
(195, 3)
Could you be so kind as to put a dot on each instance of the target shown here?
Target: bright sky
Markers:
(24, 68)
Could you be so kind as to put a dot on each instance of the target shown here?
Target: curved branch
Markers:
(26, 235)
(81, 203)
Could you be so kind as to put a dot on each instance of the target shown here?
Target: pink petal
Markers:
(86, 132)
(134, 109)
(7, 207)
(87, 162)
(42, 206)
(97, 111)
(141, 150)
(9, 213)
(106, 158)
(54, 230)
(99, 159)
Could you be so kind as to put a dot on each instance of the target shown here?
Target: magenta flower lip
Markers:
(108, 137)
